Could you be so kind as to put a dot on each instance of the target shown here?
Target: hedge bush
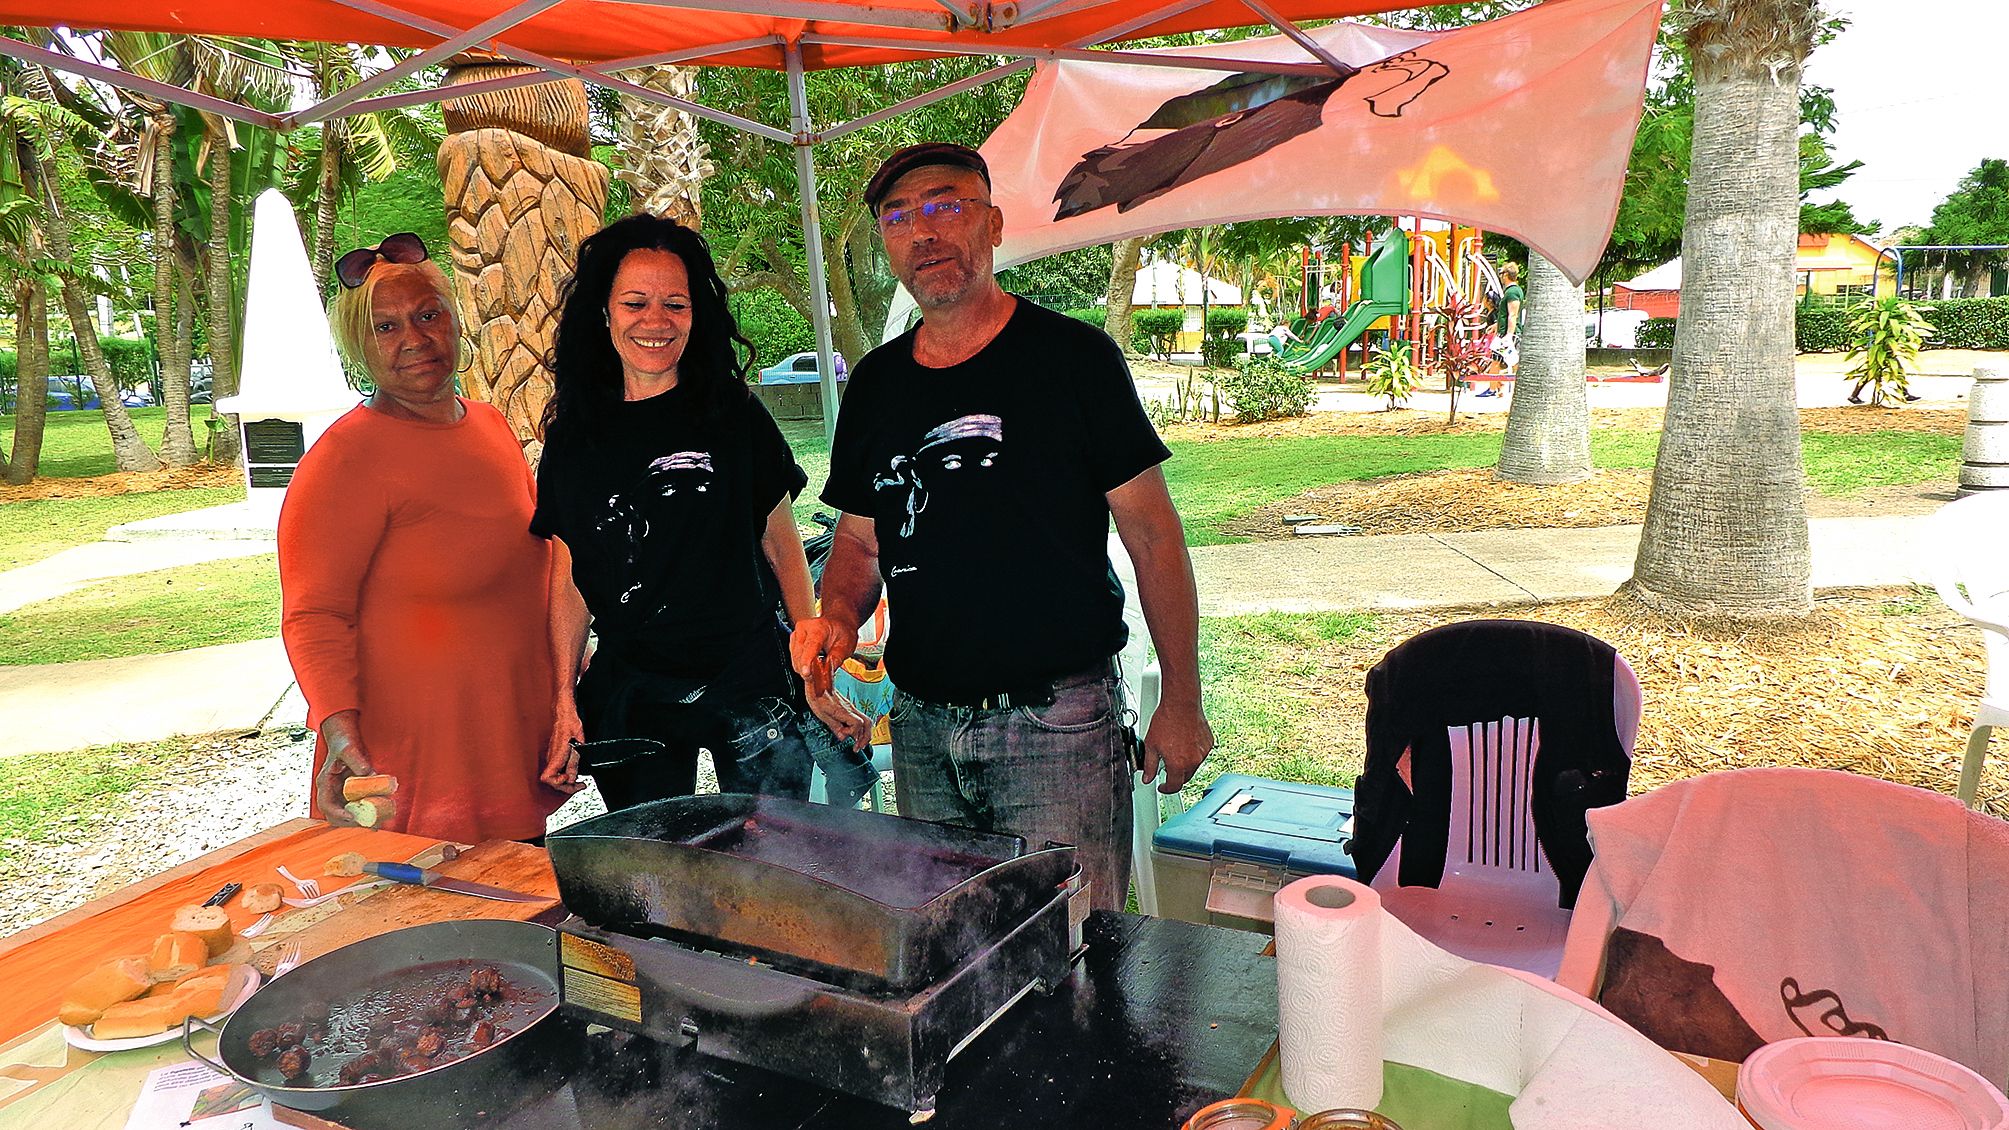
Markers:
(775, 328)
(130, 358)
(1221, 345)
(1962, 323)
(1094, 315)
(1820, 329)
(1160, 327)
(1265, 389)
(1968, 323)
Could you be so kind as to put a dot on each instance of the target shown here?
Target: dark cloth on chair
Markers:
(1475, 672)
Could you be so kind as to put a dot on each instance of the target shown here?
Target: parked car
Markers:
(799, 369)
(62, 394)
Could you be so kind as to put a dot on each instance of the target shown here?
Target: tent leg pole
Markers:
(812, 237)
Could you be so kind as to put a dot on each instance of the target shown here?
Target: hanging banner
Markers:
(1520, 125)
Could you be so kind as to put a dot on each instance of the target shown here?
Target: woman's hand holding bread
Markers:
(342, 754)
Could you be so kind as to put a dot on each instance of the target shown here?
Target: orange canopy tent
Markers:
(591, 39)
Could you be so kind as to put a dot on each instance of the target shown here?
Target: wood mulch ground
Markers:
(134, 482)
(1454, 501)
(1876, 681)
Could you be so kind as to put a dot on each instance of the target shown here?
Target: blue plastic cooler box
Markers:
(1223, 860)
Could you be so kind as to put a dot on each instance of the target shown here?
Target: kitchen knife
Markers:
(223, 896)
(426, 877)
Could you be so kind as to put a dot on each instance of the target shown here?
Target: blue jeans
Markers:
(847, 770)
(1056, 773)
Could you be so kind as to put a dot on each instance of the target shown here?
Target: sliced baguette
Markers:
(356, 788)
(176, 955)
(114, 982)
(346, 865)
(263, 898)
(202, 994)
(209, 923)
(372, 811)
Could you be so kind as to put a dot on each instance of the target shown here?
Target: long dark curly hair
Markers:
(585, 370)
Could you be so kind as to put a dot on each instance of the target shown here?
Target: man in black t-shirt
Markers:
(978, 461)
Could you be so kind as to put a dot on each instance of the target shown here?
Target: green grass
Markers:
(32, 530)
(1215, 482)
(812, 451)
(1250, 666)
(76, 444)
(42, 793)
(1843, 465)
(147, 614)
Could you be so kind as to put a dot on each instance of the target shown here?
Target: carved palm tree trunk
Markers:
(1548, 425)
(522, 190)
(659, 153)
(1726, 524)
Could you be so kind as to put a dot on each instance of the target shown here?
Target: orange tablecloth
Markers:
(41, 962)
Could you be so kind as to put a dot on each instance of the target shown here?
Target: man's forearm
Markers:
(1171, 604)
(851, 584)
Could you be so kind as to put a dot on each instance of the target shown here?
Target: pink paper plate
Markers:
(1849, 1083)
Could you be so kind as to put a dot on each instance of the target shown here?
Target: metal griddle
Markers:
(855, 950)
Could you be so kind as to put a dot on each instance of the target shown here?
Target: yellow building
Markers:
(1840, 264)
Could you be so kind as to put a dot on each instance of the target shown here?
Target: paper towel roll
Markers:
(1329, 993)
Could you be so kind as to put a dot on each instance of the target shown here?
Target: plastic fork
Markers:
(310, 889)
(353, 888)
(287, 961)
(256, 928)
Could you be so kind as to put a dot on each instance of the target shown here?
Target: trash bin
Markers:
(1222, 861)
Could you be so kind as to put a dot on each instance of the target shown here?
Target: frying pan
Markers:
(525, 953)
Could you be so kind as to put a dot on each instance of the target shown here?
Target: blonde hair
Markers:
(349, 316)
(1510, 272)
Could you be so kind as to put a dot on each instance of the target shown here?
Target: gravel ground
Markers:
(231, 788)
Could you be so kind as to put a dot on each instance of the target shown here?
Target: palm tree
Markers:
(1548, 426)
(362, 147)
(1726, 523)
(1126, 255)
(659, 153)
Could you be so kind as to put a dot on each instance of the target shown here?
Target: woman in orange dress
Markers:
(416, 601)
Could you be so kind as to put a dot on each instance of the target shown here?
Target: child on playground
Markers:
(1507, 321)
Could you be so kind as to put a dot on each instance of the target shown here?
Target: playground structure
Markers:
(1896, 254)
(1403, 283)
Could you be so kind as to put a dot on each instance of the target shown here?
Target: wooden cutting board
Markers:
(499, 863)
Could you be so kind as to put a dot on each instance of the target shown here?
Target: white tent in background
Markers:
(1164, 283)
(291, 386)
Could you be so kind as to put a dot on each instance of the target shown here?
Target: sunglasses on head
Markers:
(404, 247)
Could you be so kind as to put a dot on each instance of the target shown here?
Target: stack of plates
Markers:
(1848, 1083)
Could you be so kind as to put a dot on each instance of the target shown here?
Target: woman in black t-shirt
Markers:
(667, 487)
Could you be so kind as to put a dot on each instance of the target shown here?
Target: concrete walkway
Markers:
(239, 687)
(1319, 574)
(235, 688)
(82, 565)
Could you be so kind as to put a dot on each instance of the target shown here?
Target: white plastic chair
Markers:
(1497, 900)
(1148, 807)
(1968, 562)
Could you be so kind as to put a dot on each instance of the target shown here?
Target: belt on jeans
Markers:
(1032, 694)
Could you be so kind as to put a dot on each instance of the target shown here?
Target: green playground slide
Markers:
(1386, 283)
